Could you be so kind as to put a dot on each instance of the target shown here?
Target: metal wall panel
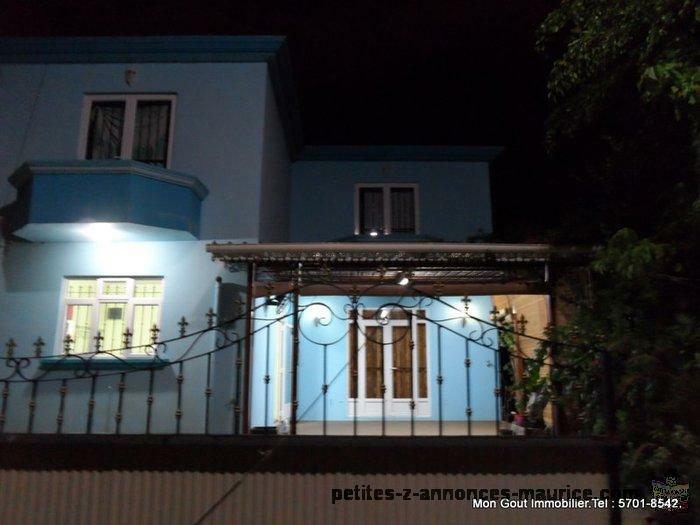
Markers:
(171, 498)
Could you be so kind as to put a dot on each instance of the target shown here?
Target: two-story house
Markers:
(176, 261)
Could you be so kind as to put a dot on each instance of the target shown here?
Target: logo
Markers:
(671, 490)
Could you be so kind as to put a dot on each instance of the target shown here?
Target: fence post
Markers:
(295, 361)
(613, 453)
(248, 354)
(608, 394)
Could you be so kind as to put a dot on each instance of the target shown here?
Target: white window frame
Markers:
(394, 407)
(94, 302)
(130, 103)
(386, 196)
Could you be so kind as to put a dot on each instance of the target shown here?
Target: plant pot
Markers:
(519, 419)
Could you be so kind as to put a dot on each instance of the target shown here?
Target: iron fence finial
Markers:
(11, 345)
(38, 346)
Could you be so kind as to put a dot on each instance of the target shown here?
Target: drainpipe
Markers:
(295, 363)
(248, 349)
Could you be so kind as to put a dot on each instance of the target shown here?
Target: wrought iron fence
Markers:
(207, 382)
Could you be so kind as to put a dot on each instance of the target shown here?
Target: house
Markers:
(177, 262)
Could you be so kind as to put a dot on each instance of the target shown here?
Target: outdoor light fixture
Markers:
(320, 320)
(100, 231)
(373, 233)
(274, 300)
(402, 279)
(466, 301)
(319, 314)
(383, 316)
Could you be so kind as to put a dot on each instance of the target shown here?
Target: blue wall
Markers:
(275, 174)
(30, 302)
(455, 200)
(310, 373)
(219, 124)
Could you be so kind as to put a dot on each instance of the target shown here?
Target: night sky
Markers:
(439, 72)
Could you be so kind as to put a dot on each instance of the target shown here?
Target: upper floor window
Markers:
(137, 127)
(110, 306)
(386, 208)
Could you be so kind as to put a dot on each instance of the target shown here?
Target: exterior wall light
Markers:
(465, 318)
(373, 233)
(274, 300)
(319, 313)
(100, 231)
(402, 279)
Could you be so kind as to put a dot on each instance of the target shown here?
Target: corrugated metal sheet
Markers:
(170, 498)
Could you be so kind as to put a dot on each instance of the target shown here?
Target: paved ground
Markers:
(399, 428)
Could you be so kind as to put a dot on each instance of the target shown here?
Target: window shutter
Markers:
(403, 214)
(371, 210)
(151, 131)
(105, 131)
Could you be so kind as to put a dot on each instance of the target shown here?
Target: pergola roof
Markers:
(450, 267)
(377, 252)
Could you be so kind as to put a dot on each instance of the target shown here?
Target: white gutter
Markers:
(231, 249)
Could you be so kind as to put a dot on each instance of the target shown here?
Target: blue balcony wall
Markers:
(57, 197)
(310, 373)
(454, 197)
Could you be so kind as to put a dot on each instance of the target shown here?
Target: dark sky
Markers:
(438, 72)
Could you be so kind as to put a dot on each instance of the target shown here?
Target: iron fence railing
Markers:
(279, 368)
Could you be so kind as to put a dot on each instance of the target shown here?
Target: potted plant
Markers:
(519, 417)
(532, 393)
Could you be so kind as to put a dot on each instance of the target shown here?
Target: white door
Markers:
(392, 355)
(281, 404)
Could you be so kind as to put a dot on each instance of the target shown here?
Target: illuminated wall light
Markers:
(466, 301)
(373, 233)
(101, 232)
(318, 313)
(402, 279)
(384, 316)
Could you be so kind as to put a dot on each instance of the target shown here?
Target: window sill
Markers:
(102, 363)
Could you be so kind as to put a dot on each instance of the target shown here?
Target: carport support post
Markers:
(550, 279)
(295, 360)
(248, 347)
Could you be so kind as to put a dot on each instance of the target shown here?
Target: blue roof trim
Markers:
(140, 49)
(272, 50)
(133, 167)
(400, 153)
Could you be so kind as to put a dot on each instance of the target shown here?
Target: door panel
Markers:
(402, 362)
(394, 356)
(374, 361)
(422, 363)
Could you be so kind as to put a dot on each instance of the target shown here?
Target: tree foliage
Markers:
(624, 87)
(600, 47)
(624, 91)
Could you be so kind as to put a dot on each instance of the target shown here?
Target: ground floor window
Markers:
(111, 307)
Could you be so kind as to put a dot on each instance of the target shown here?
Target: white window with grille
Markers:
(138, 127)
(110, 306)
(386, 208)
